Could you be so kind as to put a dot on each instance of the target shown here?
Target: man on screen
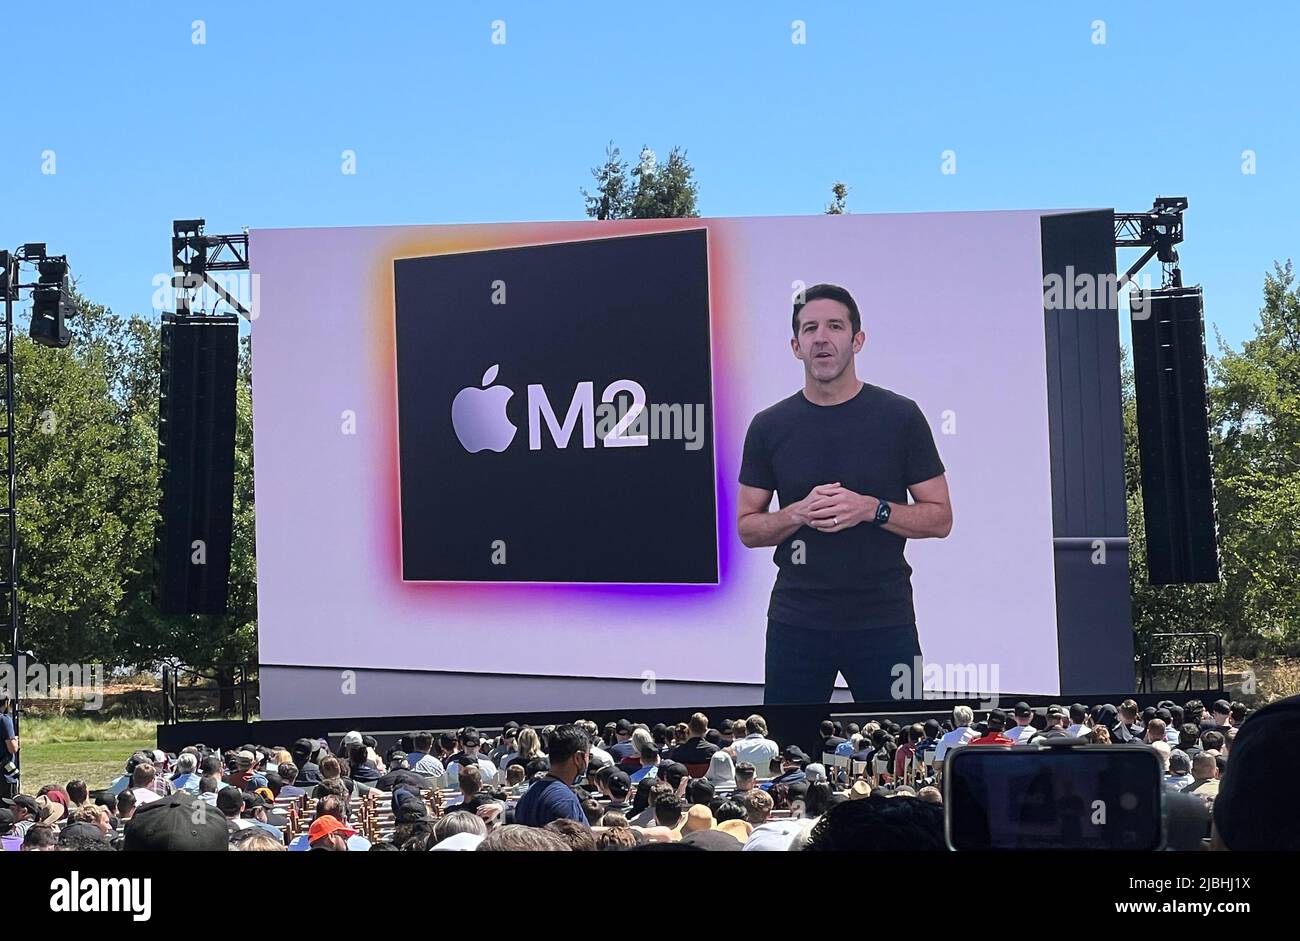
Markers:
(842, 457)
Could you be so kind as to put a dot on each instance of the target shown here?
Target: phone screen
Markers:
(1091, 797)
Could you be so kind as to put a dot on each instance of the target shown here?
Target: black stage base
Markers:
(787, 724)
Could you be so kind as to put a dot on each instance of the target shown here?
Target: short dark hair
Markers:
(579, 838)
(423, 741)
(565, 742)
(668, 810)
(887, 824)
(832, 292)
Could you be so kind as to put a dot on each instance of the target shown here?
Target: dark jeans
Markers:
(802, 663)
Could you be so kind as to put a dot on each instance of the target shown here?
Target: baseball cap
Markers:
(1057, 711)
(1022, 709)
(794, 753)
(25, 801)
(623, 726)
(246, 757)
(323, 826)
(470, 738)
(997, 717)
(176, 822)
(6, 818)
(1179, 761)
(230, 800)
(352, 738)
(815, 772)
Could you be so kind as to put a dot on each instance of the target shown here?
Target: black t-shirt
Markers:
(877, 443)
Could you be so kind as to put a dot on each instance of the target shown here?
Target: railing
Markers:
(190, 701)
(1184, 655)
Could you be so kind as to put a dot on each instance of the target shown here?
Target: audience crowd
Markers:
(696, 785)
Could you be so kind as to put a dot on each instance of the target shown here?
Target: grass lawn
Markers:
(59, 749)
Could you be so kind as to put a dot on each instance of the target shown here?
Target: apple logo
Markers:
(478, 416)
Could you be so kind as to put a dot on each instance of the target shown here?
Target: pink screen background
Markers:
(952, 307)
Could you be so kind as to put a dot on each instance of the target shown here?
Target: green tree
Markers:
(837, 206)
(613, 196)
(1255, 413)
(85, 451)
(650, 191)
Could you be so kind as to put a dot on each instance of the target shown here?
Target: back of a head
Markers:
(1250, 812)
(756, 723)
(698, 724)
(449, 824)
(745, 772)
(579, 838)
(668, 810)
(880, 824)
(515, 837)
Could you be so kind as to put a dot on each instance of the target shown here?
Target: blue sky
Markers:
(248, 129)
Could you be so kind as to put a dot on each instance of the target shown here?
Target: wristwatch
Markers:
(882, 513)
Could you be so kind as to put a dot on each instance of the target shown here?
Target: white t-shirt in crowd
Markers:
(145, 795)
(758, 751)
(1020, 734)
(1078, 730)
(952, 739)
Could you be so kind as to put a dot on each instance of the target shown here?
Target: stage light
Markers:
(52, 303)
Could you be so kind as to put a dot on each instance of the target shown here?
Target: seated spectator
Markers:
(792, 774)
(722, 771)
(1078, 721)
(1054, 724)
(449, 825)
(1129, 729)
(649, 764)
(142, 780)
(622, 751)
(255, 840)
(962, 733)
(618, 785)
(246, 777)
(78, 793)
(289, 780)
(1180, 771)
(890, 825)
(1023, 730)
(579, 838)
(41, 838)
(755, 747)
(830, 741)
(1205, 778)
(1155, 731)
(746, 778)
(330, 834)
(695, 752)
(515, 838)
(421, 759)
(997, 721)
(758, 807)
(126, 803)
(303, 752)
(469, 755)
(186, 777)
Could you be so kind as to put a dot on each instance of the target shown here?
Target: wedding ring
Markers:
(835, 520)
